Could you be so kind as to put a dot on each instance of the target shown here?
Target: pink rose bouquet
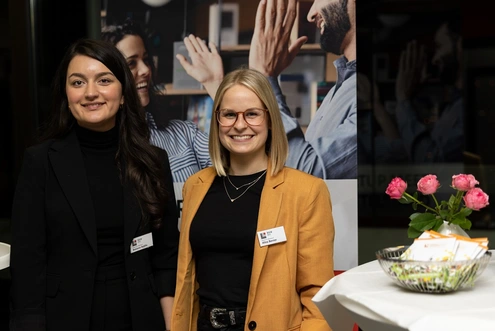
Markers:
(451, 211)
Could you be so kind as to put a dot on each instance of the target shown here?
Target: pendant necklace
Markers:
(251, 184)
(247, 184)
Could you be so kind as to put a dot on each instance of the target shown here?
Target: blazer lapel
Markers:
(270, 204)
(132, 215)
(197, 193)
(186, 285)
(68, 164)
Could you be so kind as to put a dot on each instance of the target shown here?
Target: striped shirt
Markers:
(185, 144)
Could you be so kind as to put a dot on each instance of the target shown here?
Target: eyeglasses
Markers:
(252, 116)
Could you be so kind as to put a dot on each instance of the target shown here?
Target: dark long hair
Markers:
(116, 32)
(137, 160)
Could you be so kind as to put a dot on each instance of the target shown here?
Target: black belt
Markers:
(223, 317)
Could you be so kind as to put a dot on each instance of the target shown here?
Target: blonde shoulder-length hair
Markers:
(276, 146)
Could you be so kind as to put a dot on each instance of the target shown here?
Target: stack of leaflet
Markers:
(433, 246)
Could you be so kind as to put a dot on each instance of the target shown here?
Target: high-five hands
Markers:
(271, 50)
(270, 53)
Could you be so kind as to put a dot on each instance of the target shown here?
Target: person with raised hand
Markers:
(328, 148)
(186, 145)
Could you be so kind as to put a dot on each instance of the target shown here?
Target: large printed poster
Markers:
(319, 115)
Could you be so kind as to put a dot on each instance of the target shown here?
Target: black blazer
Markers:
(54, 249)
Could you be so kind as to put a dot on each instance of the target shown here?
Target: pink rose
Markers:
(476, 199)
(396, 188)
(428, 184)
(464, 182)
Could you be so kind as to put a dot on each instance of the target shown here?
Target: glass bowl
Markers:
(430, 276)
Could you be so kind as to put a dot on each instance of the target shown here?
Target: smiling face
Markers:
(241, 139)
(332, 18)
(135, 53)
(94, 94)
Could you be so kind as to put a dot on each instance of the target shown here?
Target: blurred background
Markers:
(444, 87)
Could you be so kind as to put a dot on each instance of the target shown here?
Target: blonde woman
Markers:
(256, 237)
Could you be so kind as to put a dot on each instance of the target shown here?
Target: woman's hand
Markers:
(206, 66)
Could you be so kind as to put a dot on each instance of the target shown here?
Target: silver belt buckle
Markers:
(213, 318)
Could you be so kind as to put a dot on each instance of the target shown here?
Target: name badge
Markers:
(141, 242)
(272, 236)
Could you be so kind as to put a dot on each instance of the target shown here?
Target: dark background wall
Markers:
(29, 54)
(31, 50)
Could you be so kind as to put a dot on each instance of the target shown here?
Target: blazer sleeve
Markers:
(28, 249)
(166, 239)
(315, 254)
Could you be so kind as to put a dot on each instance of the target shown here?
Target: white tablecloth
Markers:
(368, 296)
(4, 255)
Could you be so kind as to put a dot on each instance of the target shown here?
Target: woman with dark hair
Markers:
(256, 239)
(186, 145)
(94, 222)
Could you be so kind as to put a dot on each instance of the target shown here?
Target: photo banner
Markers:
(318, 110)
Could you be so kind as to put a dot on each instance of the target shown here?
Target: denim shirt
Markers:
(329, 148)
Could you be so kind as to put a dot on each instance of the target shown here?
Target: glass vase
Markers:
(447, 229)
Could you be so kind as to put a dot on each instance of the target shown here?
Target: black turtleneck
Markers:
(99, 150)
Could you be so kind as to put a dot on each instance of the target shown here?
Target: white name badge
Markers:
(141, 242)
(272, 236)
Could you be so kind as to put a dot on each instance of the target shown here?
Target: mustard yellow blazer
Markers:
(285, 276)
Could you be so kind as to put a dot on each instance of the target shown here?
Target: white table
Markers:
(367, 296)
(4, 255)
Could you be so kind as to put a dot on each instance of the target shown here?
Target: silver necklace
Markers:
(251, 184)
(247, 184)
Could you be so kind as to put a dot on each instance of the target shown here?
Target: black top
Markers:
(222, 238)
(98, 150)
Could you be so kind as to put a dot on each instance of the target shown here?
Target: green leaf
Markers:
(467, 225)
(422, 221)
(405, 200)
(451, 201)
(457, 218)
(465, 212)
(444, 213)
(419, 217)
(415, 206)
(413, 233)
(415, 195)
(462, 222)
(412, 217)
(438, 224)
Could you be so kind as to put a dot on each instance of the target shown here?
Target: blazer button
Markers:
(133, 275)
(252, 325)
